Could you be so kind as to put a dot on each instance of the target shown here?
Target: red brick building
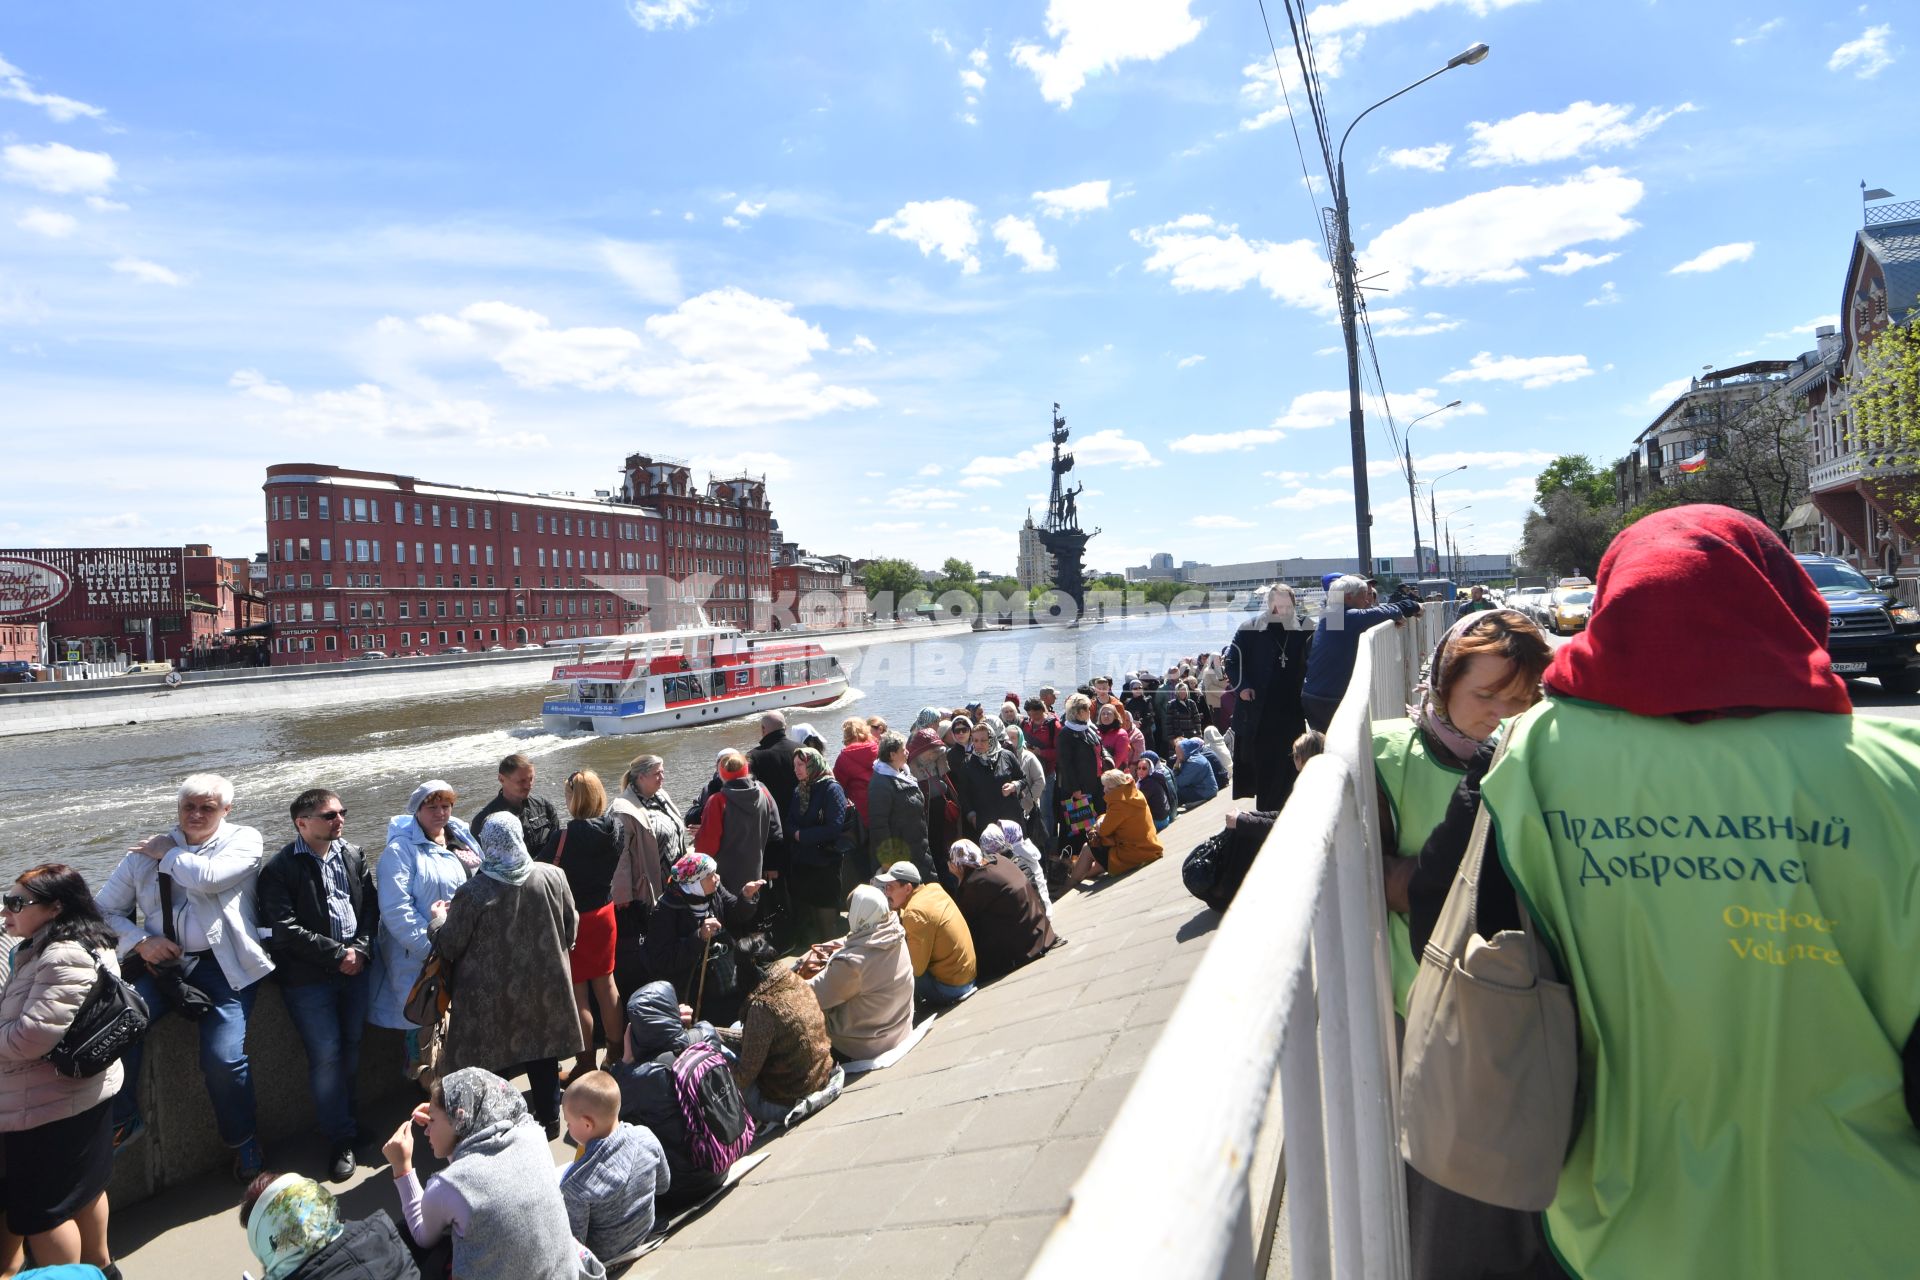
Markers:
(817, 594)
(718, 547)
(360, 561)
(100, 603)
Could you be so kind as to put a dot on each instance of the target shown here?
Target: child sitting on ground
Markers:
(610, 1187)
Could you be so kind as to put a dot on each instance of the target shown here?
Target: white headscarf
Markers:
(867, 910)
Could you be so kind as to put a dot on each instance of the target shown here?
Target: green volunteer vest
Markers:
(1740, 923)
(1418, 784)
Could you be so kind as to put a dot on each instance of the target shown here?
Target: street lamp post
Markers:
(1413, 503)
(1349, 301)
(1453, 554)
(1433, 511)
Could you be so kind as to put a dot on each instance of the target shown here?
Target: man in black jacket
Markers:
(655, 1037)
(317, 902)
(539, 821)
(771, 764)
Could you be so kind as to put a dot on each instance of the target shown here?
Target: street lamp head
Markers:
(1451, 404)
(1473, 55)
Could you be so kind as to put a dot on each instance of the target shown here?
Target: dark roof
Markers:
(1897, 249)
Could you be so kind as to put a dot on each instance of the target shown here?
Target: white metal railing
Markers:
(1294, 991)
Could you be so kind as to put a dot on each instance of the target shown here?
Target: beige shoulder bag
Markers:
(1489, 1064)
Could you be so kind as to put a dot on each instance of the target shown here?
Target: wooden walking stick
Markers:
(700, 992)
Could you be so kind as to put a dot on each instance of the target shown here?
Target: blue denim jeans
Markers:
(329, 1016)
(927, 987)
(223, 1052)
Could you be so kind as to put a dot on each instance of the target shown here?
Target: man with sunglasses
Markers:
(206, 947)
(317, 900)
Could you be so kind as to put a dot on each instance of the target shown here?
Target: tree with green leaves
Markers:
(1574, 473)
(1565, 535)
(1884, 403)
(889, 582)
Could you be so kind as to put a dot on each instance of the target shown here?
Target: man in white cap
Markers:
(938, 940)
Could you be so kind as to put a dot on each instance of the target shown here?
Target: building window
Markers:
(513, 521)
(539, 524)
(323, 507)
(459, 608)
(326, 549)
(439, 608)
(438, 556)
(399, 553)
(403, 609)
(456, 552)
(473, 554)
(331, 643)
(399, 511)
(302, 500)
(327, 611)
(306, 549)
(306, 611)
(489, 553)
(486, 518)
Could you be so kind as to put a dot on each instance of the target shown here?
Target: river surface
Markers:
(81, 796)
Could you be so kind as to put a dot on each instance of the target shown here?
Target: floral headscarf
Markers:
(817, 768)
(293, 1219)
(692, 869)
(503, 850)
(483, 1110)
(927, 719)
(1428, 713)
(967, 854)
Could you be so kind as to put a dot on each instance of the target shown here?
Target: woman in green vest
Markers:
(1721, 858)
(1486, 669)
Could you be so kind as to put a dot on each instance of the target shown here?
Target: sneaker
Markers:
(127, 1131)
(248, 1161)
(343, 1162)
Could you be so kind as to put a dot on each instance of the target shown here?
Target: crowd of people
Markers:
(673, 983)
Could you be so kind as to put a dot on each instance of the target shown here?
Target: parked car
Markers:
(371, 654)
(1870, 632)
(496, 648)
(1566, 609)
(455, 648)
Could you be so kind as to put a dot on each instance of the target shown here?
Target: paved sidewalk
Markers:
(954, 1162)
(958, 1160)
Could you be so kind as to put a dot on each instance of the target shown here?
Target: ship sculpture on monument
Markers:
(1062, 535)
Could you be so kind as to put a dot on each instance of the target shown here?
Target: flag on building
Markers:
(1688, 466)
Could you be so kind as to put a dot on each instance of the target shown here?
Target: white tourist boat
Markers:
(672, 679)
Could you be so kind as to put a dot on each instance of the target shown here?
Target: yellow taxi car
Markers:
(1568, 606)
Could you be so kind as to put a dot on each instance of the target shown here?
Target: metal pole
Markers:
(1433, 510)
(1356, 416)
(1413, 509)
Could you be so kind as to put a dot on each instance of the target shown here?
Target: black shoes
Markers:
(343, 1163)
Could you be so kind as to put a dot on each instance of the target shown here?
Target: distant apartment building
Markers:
(1034, 566)
(719, 540)
(1689, 430)
(818, 592)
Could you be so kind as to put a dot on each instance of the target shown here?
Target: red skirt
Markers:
(593, 945)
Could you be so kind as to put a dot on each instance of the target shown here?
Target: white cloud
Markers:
(750, 208)
(1607, 296)
(925, 498)
(15, 87)
(100, 204)
(252, 382)
(1433, 159)
(1540, 137)
(58, 168)
(1187, 362)
(1096, 36)
(372, 409)
(978, 57)
(1663, 395)
(660, 15)
(1220, 522)
(861, 345)
(1314, 409)
(1803, 330)
(1577, 261)
(972, 79)
(47, 222)
(1398, 322)
(646, 269)
(147, 272)
(1261, 86)
(947, 225)
(1488, 235)
(1713, 259)
(1346, 14)
(1023, 241)
(1531, 372)
(1201, 255)
(1082, 197)
(1306, 499)
(730, 221)
(930, 470)
(979, 482)
(1098, 449)
(1760, 32)
(1867, 55)
(723, 358)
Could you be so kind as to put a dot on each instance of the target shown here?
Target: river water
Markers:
(81, 796)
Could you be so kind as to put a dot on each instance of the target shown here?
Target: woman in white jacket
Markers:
(864, 981)
(57, 1132)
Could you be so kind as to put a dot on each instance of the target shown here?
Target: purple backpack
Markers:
(719, 1130)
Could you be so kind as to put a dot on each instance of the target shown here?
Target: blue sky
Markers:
(863, 247)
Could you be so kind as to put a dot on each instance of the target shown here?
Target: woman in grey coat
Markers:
(897, 809)
(505, 936)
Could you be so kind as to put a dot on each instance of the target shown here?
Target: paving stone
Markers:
(977, 1186)
(808, 1151)
(1057, 1063)
(1011, 1119)
(1157, 1006)
(1008, 1248)
(1093, 1110)
(1129, 1051)
(1055, 1169)
(752, 1213)
(855, 1199)
(819, 1257)
(925, 1253)
(924, 1134)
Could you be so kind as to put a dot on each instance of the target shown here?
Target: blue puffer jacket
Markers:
(1193, 781)
(1330, 659)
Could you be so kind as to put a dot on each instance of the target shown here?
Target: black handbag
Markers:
(111, 1020)
(170, 977)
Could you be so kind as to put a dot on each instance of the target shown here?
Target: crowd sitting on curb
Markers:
(940, 872)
